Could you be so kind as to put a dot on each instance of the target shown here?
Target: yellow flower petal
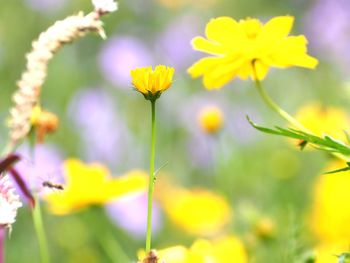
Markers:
(92, 185)
(236, 45)
(277, 28)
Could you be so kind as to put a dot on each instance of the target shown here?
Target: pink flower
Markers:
(9, 202)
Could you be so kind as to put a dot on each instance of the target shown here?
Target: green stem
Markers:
(40, 232)
(151, 178)
(285, 115)
(277, 109)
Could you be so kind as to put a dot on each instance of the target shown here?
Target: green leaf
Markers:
(325, 143)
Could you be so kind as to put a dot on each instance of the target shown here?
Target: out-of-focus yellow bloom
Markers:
(151, 83)
(236, 46)
(265, 228)
(329, 253)
(330, 216)
(210, 119)
(44, 122)
(199, 212)
(91, 185)
(324, 120)
(222, 250)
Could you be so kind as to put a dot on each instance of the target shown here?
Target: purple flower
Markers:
(46, 5)
(42, 163)
(327, 26)
(175, 41)
(130, 213)
(119, 56)
(105, 138)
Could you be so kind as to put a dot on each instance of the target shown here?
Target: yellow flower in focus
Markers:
(199, 212)
(329, 252)
(323, 120)
(210, 119)
(236, 46)
(151, 83)
(330, 216)
(91, 185)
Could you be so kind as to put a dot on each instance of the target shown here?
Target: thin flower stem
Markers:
(277, 109)
(151, 178)
(2, 244)
(40, 232)
(285, 115)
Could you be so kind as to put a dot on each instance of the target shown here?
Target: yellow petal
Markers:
(201, 44)
(277, 28)
(292, 52)
(223, 29)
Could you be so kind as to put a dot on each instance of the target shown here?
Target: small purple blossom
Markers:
(104, 135)
(327, 27)
(130, 213)
(42, 163)
(119, 56)
(175, 41)
(46, 5)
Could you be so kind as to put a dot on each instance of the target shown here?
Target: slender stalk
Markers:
(285, 115)
(2, 244)
(277, 109)
(151, 178)
(40, 232)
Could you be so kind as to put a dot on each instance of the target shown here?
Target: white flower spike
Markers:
(9, 203)
(105, 6)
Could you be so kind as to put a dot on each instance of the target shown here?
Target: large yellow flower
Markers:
(91, 185)
(151, 83)
(199, 211)
(236, 46)
(330, 216)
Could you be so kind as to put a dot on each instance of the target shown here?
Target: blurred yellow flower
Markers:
(330, 217)
(151, 83)
(91, 185)
(236, 46)
(210, 119)
(330, 252)
(323, 120)
(221, 250)
(199, 211)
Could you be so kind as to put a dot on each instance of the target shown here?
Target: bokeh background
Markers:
(102, 119)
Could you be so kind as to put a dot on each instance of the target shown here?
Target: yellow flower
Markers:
(330, 215)
(210, 119)
(222, 250)
(91, 185)
(199, 212)
(329, 252)
(236, 46)
(151, 83)
(323, 120)
(44, 122)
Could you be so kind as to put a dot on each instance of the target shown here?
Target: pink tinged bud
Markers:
(9, 202)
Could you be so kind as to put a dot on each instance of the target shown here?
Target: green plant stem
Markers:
(104, 236)
(285, 115)
(277, 109)
(151, 178)
(40, 232)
